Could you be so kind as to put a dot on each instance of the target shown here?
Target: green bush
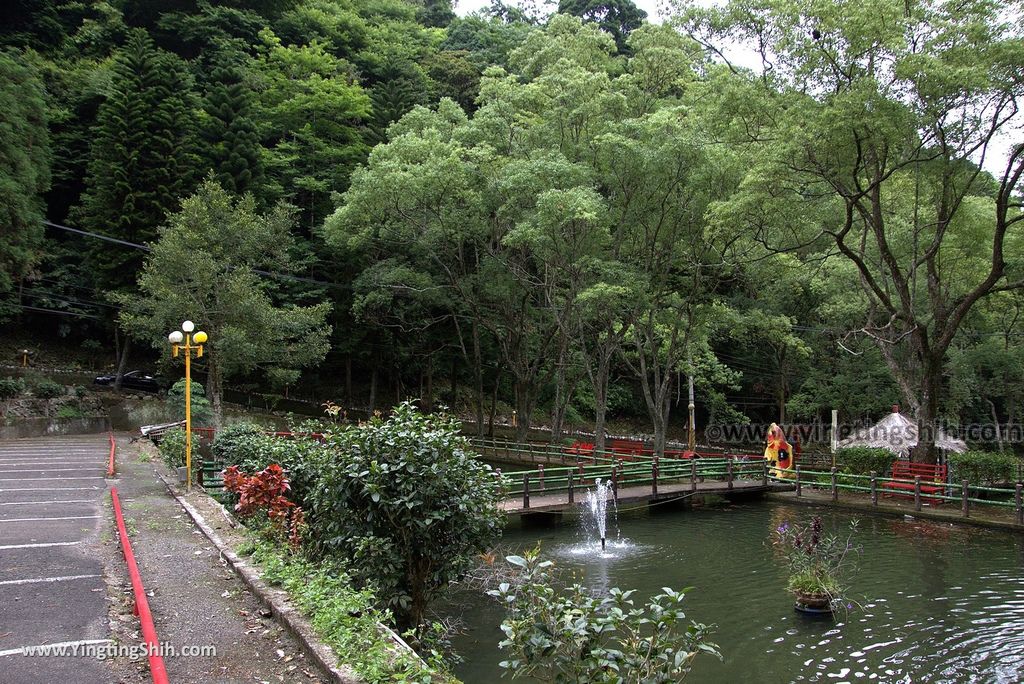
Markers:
(48, 389)
(236, 443)
(69, 411)
(172, 447)
(983, 467)
(864, 460)
(406, 505)
(201, 410)
(10, 388)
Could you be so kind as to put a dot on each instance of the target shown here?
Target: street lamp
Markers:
(185, 341)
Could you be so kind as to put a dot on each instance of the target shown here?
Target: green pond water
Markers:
(938, 603)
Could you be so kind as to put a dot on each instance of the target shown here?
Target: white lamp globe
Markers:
(188, 326)
(175, 337)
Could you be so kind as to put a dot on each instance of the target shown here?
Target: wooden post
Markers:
(917, 492)
(693, 474)
(654, 477)
(572, 492)
(835, 489)
(526, 491)
(541, 476)
(728, 471)
(965, 502)
(798, 480)
(764, 472)
(874, 488)
(615, 483)
(1017, 503)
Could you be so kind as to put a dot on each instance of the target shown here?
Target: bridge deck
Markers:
(541, 502)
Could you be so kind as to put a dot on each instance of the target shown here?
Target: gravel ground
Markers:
(195, 598)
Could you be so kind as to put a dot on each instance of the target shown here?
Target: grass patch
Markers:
(344, 617)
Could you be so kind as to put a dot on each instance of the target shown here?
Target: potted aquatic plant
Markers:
(819, 563)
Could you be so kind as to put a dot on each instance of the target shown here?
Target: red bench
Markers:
(933, 478)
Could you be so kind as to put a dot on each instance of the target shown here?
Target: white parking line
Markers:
(85, 642)
(36, 546)
(51, 501)
(49, 479)
(70, 517)
(53, 489)
(45, 580)
(48, 470)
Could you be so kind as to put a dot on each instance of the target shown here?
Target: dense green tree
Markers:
(435, 13)
(205, 268)
(616, 17)
(142, 157)
(24, 165)
(869, 127)
(232, 146)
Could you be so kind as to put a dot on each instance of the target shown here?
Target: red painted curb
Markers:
(113, 448)
(156, 661)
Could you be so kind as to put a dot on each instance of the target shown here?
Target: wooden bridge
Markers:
(549, 490)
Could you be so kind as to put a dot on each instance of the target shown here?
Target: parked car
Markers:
(134, 380)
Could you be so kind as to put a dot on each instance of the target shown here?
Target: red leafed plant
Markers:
(266, 492)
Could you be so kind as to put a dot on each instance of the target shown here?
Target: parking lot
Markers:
(51, 558)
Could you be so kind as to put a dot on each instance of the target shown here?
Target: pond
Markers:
(937, 602)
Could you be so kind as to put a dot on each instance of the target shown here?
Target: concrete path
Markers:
(51, 558)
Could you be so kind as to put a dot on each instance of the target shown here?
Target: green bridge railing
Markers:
(921, 489)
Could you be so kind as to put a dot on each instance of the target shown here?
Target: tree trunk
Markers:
(524, 408)
(928, 413)
(215, 392)
(373, 388)
(122, 363)
(478, 373)
(348, 380)
(494, 405)
(995, 424)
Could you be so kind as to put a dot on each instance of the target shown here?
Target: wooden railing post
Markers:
(764, 472)
(835, 488)
(798, 480)
(728, 471)
(965, 501)
(874, 488)
(1018, 504)
(615, 482)
(693, 474)
(917, 492)
(541, 476)
(654, 477)
(526, 491)
(572, 491)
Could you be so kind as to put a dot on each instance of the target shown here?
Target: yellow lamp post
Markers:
(187, 342)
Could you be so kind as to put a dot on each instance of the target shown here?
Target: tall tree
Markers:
(618, 18)
(232, 147)
(886, 114)
(24, 165)
(206, 267)
(142, 158)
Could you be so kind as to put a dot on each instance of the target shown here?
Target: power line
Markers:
(147, 248)
(53, 311)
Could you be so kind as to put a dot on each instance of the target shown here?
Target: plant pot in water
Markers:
(813, 602)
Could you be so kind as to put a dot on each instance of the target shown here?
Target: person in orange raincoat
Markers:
(779, 453)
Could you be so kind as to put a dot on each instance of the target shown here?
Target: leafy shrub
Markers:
(266, 493)
(573, 636)
(236, 443)
(818, 561)
(983, 467)
(864, 460)
(201, 410)
(10, 388)
(69, 411)
(48, 389)
(404, 502)
(172, 447)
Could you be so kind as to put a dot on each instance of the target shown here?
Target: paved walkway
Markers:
(51, 557)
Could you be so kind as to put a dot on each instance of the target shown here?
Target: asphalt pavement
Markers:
(52, 590)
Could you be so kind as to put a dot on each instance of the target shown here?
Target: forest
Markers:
(571, 211)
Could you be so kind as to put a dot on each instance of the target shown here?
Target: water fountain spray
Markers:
(597, 504)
